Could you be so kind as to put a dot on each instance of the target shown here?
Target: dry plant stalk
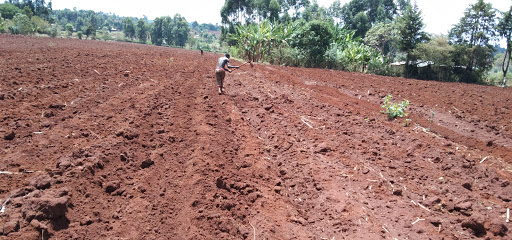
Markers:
(418, 219)
(254, 230)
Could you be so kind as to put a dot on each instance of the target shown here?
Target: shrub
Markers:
(54, 31)
(22, 25)
(69, 29)
(40, 25)
(394, 110)
(3, 27)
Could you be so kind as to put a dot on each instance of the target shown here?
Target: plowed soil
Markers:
(102, 140)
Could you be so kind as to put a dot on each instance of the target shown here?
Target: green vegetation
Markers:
(383, 37)
(505, 30)
(472, 38)
(394, 110)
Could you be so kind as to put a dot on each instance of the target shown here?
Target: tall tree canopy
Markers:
(128, 28)
(360, 15)
(474, 36)
(38, 7)
(237, 11)
(411, 32)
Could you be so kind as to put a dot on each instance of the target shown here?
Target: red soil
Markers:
(103, 140)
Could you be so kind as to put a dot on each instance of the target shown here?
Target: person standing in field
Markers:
(220, 71)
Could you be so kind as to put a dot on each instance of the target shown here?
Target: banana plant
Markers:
(258, 40)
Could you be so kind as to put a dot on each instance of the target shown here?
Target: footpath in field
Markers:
(128, 141)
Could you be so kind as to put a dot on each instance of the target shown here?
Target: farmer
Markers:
(220, 71)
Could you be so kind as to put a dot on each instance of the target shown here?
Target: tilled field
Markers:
(103, 140)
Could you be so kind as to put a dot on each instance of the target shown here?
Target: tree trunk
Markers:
(407, 68)
(504, 67)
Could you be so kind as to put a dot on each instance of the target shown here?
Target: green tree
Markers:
(21, 25)
(411, 33)
(180, 30)
(89, 30)
(105, 34)
(505, 30)
(3, 28)
(91, 25)
(383, 37)
(361, 24)
(440, 52)
(42, 9)
(69, 29)
(380, 10)
(274, 9)
(295, 6)
(437, 50)
(157, 32)
(268, 9)
(80, 22)
(335, 11)
(128, 28)
(27, 11)
(237, 11)
(142, 30)
(360, 15)
(167, 28)
(313, 39)
(315, 12)
(473, 37)
(40, 25)
(8, 11)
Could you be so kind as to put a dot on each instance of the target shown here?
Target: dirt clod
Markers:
(112, 186)
(147, 163)
(10, 136)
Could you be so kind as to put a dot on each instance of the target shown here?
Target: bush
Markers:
(54, 31)
(106, 34)
(21, 25)
(394, 110)
(69, 29)
(40, 25)
(3, 26)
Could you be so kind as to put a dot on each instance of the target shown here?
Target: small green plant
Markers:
(431, 120)
(394, 110)
(407, 122)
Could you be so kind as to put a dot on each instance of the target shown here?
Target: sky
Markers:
(438, 15)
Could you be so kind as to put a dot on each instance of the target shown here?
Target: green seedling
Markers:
(407, 122)
(394, 110)
(431, 120)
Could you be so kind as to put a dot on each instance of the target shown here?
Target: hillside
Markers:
(103, 140)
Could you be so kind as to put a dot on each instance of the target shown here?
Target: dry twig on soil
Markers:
(304, 121)
(418, 219)
(418, 204)
(254, 231)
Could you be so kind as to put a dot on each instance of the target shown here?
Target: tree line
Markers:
(368, 36)
(30, 17)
